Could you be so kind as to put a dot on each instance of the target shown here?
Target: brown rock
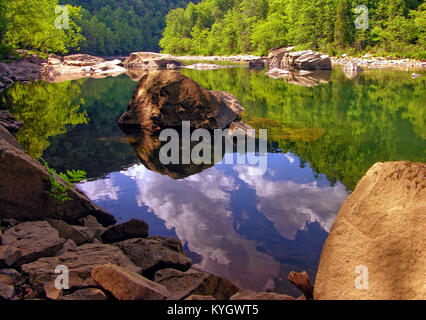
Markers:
(380, 228)
(154, 254)
(8, 256)
(80, 263)
(195, 282)
(90, 222)
(24, 183)
(164, 99)
(195, 297)
(91, 294)
(10, 277)
(131, 229)
(7, 292)
(51, 292)
(68, 232)
(259, 296)
(34, 240)
(126, 285)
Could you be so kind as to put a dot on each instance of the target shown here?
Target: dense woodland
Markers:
(99, 27)
(222, 27)
(118, 27)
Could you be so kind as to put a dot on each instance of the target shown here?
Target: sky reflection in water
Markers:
(250, 228)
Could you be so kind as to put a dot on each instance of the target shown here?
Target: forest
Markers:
(396, 28)
(98, 27)
(221, 27)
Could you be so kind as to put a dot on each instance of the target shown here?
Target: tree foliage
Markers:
(396, 27)
(30, 25)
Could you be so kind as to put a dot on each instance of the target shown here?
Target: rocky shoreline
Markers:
(59, 69)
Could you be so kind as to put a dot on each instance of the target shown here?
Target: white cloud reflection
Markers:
(198, 208)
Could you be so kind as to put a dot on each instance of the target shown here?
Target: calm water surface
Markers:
(253, 229)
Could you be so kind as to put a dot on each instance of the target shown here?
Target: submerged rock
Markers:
(127, 285)
(163, 99)
(195, 282)
(376, 246)
(24, 186)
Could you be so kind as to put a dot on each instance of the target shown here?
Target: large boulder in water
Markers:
(379, 236)
(284, 58)
(24, 186)
(163, 99)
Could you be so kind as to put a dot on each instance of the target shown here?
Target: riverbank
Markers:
(59, 69)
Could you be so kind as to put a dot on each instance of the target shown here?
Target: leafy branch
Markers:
(60, 191)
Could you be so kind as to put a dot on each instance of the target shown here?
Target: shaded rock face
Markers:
(24, 183)
(195, 282)
(284, 58)
(9, 122)
(151, 60)
(154, 254)
(127, 285)
(80, 262)
(124, 231)
(163, 99)
(8, 137)
(34, 240)
(380, 227)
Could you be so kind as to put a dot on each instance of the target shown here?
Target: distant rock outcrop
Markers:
(163, 99)
(151, 61)
(376, 247)
(285, 58)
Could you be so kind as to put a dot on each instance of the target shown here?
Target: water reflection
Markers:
(251, 229)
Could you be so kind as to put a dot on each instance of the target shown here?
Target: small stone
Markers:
(7, 292)
(10, 277)
(52, 292)
(127, 285)
(8, 256)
